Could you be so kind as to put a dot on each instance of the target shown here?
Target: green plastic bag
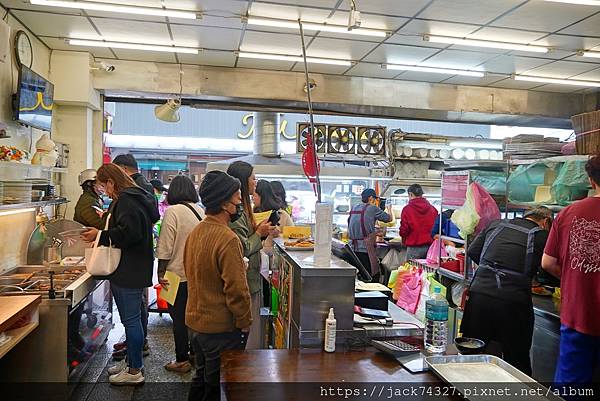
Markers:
(466, 217)
(571, 183)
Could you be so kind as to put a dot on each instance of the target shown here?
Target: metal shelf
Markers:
(456, 240)
(451, 275)
(419, 159)
(441, 271)
(29, 166)
(516, 207)
(12, 206)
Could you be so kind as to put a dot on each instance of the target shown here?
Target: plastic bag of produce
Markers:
(466, 217)
(485, 205)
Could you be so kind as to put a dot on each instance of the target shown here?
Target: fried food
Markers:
(303, 243)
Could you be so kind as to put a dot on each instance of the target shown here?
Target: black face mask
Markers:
(239, 210)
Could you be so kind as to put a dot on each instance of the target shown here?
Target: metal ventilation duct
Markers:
(266, 134)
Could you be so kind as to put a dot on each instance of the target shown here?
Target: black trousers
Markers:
(180, 330)
(505, 326)
(206, 385)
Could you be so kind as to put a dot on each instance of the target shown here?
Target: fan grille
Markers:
(341, 139)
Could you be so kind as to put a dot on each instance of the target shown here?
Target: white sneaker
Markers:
(124, 378)
(118, 368)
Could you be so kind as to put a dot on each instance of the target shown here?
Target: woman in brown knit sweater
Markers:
(218, 307)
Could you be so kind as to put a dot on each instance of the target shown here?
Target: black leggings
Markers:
(180, 330)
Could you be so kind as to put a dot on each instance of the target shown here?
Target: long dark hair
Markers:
(181, 190)
(279, 191)
(242, 171)
(268, 199)
(117, 175)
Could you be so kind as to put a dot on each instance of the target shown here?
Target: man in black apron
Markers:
(499, 308)
(362, 232)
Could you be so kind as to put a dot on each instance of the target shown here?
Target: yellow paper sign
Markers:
(170, 293)
(260, 217)
(296, 232)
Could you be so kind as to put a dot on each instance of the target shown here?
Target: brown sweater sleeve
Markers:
(235, 286)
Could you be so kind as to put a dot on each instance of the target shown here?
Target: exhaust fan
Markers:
(371, 140)
(341, 139)
(319, 135)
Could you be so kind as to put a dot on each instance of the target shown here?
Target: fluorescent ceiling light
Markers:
(17, 211)
(485, 43)
(572, 82)
(582, 2)
(296, 59)
(314, 26)
(435, 70)
(589, 54)
(131, 46)
(117, 8)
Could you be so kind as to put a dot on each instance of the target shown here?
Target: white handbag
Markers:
(102, 260)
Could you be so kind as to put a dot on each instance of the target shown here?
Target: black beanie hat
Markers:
(216, 188)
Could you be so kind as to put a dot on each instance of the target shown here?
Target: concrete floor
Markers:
(160, 384)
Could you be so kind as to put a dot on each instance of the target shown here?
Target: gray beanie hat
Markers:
(216, 188)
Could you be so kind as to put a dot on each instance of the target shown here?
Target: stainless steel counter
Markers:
(306, 292)
(72, 327)
(546, 307)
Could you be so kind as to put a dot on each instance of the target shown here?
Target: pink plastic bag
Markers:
(486, 207)
(410, 292)
(433, 254)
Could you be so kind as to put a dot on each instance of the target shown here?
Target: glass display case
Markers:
(344, 193)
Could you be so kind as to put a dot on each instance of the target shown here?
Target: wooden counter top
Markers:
(314, 365)
(12, 308)
(301, 374)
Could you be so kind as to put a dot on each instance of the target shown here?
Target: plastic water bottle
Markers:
(436, 323)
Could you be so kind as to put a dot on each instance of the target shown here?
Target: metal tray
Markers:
(486, 372)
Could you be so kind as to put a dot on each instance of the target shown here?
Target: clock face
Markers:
(23, 49)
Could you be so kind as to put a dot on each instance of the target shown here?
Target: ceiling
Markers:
(220, 33)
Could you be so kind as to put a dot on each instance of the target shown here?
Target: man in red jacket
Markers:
(417, 220)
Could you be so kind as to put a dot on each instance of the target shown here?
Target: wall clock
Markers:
(23, 49)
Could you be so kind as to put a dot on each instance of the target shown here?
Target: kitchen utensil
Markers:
(51, 292)
(29, 276)
(52, 254)
(469, 346)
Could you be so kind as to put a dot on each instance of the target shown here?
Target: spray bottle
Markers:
(330, 325)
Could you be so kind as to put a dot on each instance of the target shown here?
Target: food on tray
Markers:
(541, 291)
(10, 153)
(475, 373)
(302, 243)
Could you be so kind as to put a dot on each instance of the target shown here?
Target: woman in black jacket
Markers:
(130, 229)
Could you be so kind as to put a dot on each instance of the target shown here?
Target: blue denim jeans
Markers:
(579, 357)
(128, 302)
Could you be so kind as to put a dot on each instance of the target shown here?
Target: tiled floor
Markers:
(160, 384)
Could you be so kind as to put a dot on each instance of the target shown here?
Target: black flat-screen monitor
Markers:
(343, 251)
(34, 100)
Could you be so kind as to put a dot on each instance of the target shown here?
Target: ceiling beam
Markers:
(278, 90)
